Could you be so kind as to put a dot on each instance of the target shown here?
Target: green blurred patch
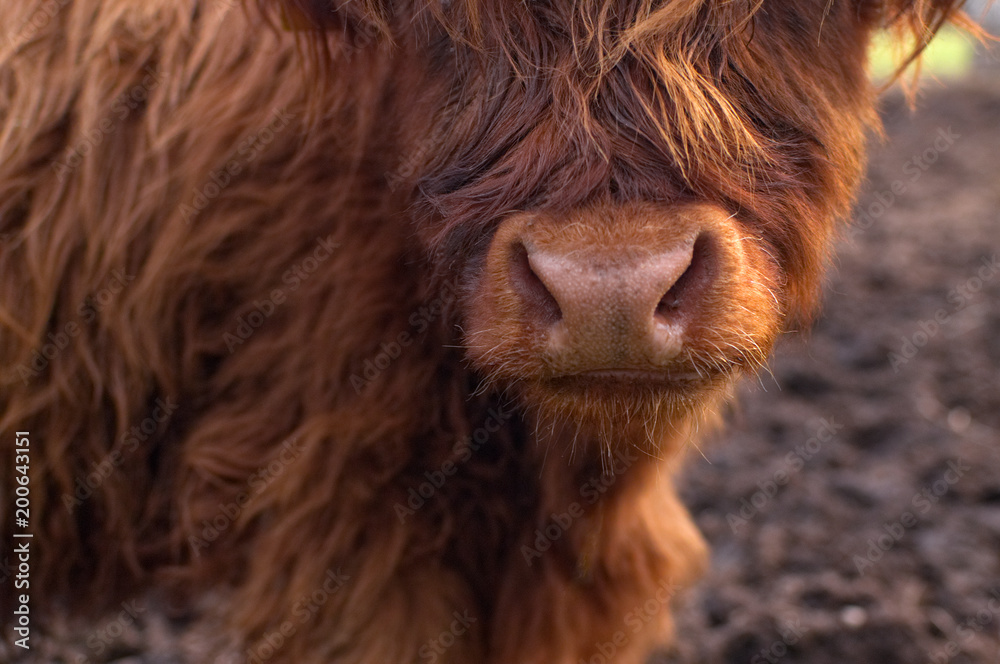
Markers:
(949, 55)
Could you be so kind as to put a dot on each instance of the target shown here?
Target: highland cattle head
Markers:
(637, 196)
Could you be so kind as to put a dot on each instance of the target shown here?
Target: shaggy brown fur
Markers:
(251, 314)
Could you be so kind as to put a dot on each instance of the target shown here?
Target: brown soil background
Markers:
(784, 586)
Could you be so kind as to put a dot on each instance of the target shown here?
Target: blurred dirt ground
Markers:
(868, 546)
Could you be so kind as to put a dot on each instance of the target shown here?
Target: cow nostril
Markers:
(541, 305)
(694, 277)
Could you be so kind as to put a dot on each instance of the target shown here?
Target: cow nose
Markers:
(609, 310)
